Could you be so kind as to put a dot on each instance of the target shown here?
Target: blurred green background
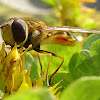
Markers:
(53, 12)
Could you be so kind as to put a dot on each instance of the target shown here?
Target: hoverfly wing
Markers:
(72, 30)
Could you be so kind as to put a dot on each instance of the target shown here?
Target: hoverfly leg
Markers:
(48, 84)
(42, 73)
(51, 54)
(29, 47)
(57, 68)
(48, 53)
(8, 48)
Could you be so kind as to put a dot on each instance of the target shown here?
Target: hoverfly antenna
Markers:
(0, 26)
(4, 25)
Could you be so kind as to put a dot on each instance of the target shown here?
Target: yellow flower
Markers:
(53, 89)
(26, 83)
(10, 73)
(13, 76)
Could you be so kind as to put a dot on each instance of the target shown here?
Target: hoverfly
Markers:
(28, 31)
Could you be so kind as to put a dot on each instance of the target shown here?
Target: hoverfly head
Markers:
(14, 30)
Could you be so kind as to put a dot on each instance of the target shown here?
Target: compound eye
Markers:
(19, 30)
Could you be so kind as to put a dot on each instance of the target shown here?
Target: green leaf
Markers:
(64, 51)
(64, 76)
(32, 63)
(86, 88)
(51, 2)
(32, 94)
(95, 48)
(90, 39)
(77, 59)
(88, 67)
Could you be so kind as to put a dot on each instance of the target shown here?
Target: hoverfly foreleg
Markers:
(51, 54)
(29, 47)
